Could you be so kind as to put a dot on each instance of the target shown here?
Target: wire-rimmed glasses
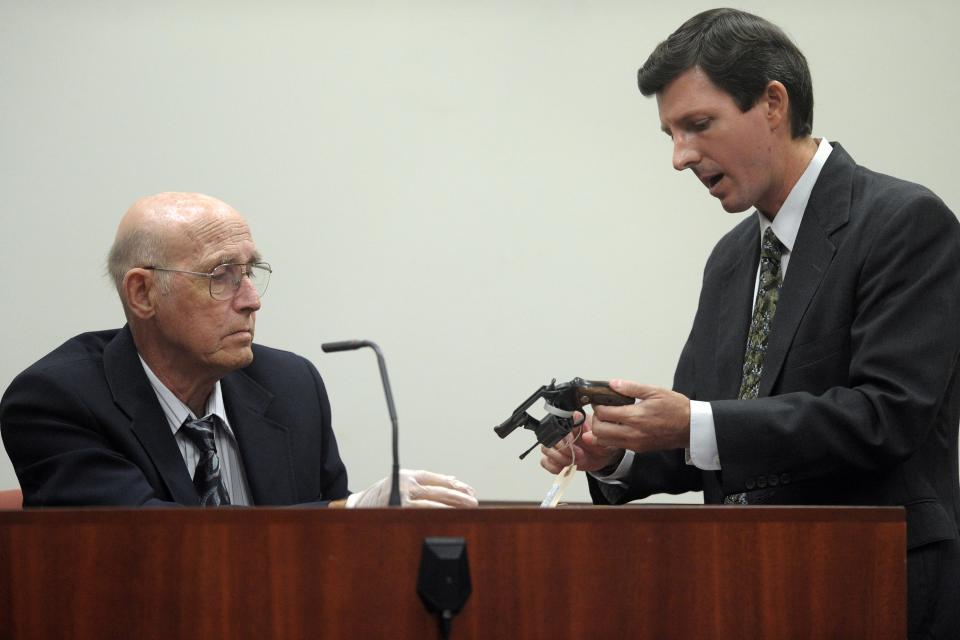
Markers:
(225, 279)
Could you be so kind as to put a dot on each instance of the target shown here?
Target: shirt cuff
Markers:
(619, 473)
(703, 452)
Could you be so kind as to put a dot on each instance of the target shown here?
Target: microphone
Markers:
(346, 345)
(350, 345)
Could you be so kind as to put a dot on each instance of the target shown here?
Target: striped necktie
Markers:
(206, 477)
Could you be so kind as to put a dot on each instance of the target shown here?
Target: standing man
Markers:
(180, 406)
(822, 366)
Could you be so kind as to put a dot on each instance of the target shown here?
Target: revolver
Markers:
(560, 401)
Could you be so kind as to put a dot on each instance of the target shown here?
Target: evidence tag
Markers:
(560, 484)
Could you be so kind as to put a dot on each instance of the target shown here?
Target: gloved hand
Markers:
(417, 489)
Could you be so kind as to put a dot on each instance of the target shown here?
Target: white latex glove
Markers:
(417, 489)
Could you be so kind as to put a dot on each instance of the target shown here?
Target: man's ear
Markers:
(777, 101)
(139, 291)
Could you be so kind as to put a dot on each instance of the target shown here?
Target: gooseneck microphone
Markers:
(350, 345)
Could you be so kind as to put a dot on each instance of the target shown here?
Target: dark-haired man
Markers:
(180, 406)
(822, 366)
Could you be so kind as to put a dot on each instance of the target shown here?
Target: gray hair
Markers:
(137, 248)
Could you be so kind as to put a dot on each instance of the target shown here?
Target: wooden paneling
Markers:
(640, 572)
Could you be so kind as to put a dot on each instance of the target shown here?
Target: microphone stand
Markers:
(351, 345)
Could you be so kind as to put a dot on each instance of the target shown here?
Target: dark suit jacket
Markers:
(83, 426)
(860, 394)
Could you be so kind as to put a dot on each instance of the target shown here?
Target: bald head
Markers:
(165, 229)
(164, 261)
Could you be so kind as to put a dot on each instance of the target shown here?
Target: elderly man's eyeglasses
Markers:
(225, 279)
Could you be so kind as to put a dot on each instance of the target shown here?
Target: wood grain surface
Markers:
(590, 572)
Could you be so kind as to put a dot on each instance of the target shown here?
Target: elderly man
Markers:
(180, 406)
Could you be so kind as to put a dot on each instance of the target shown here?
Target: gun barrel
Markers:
(507, 426)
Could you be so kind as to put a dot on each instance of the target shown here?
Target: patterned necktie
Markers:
(768, 291)
(206, 477)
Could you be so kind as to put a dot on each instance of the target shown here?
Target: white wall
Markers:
(479, 187)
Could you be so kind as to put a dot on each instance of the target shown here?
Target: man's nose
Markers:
(247, 296)
(685, 155)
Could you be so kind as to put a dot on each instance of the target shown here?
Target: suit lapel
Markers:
(133, 394)
(735, 310)
(827, 211)
(264, 444)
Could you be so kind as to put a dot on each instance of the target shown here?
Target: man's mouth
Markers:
(711, 182)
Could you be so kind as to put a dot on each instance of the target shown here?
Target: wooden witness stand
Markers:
(625, 572)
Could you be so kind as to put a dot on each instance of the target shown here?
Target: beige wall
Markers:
(479, 187)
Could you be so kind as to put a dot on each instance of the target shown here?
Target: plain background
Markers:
(478, 187)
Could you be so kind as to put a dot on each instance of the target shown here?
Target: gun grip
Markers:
(600, 393)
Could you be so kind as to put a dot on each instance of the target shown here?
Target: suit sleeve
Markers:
(333, 473)
(59, 453)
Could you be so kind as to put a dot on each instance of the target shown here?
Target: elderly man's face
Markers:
(208, 336)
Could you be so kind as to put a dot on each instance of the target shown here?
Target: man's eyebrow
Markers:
(232, 258)
(683, 121)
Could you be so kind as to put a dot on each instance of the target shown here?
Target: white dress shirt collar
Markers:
(786, 224)
(176, 411)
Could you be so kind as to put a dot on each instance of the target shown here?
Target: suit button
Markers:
(761, 482)
(773, 480)
(751, 484)
(785, 478)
